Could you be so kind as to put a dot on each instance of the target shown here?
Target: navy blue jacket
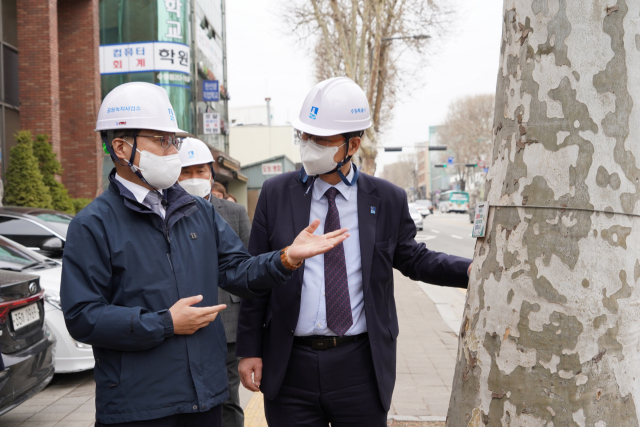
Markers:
(123, 268)
(266, 324)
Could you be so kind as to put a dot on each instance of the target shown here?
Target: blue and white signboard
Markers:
(140, 57)
(210, 91)
(450, 160)
(211, 123)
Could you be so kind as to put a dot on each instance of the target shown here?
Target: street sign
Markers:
(450, 160)
(211, 123)
(480, 220)
(481, 164)
(210, 91)
(485, 170)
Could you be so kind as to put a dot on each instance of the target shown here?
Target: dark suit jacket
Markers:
(237, 218)
(266, 324)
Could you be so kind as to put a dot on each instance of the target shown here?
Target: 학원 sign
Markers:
(480, 220)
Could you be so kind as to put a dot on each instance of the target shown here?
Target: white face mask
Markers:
(160, 172)
(317, 159)
(197, 186)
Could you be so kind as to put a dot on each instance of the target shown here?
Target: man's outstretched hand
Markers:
(308, 245)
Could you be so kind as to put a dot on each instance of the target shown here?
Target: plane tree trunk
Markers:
(551, 330)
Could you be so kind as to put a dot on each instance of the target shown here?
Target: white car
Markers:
(425, 207)
(416, 217)
(70, 355)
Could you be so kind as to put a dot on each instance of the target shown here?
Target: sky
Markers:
(264, 60)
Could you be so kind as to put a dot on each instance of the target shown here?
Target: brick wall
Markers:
(38, 68)
(78, 41)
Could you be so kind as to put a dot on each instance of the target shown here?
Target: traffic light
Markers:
(471, 165)
(440, 166)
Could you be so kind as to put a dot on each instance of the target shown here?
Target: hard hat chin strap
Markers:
(106, 136)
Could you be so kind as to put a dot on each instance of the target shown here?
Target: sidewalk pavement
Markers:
(427, 347)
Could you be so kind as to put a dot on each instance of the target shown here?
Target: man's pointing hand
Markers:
(308, 245)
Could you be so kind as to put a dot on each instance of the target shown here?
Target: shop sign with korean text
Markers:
(211, 123)
(172, 21)
(480, 220)
(210, 91)
(271, 168)
(142, 57)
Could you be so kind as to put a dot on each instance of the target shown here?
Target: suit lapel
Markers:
(300, 210)
(300, 206)
(368, 211)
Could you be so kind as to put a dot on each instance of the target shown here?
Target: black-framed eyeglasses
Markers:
(167, 141)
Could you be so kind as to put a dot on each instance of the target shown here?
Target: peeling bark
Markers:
(559, 345)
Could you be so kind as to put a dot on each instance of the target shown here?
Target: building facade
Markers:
(49, 72)
(257, 173)
(255, 143)
(60, 58)
(180, 46)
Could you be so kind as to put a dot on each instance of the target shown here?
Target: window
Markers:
(10, 22)
(10, 66)
(24, 232)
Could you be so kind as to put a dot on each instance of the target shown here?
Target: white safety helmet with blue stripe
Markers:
(138, 105)
(194, 152)
(334, 106)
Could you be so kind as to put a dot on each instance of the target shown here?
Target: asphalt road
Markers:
(449, 233)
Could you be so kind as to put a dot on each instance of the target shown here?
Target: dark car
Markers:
(42, 230)
(25, 343)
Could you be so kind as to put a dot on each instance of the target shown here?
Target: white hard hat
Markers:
(332, 107)
(194, 152)
(138, 105)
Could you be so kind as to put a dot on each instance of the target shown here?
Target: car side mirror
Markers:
(53, 244)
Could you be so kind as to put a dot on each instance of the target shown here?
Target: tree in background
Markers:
(50, 167)
(468, 130)
(403, 173)
(354, 38)
(25, 184)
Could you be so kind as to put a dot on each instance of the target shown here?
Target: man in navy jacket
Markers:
(323, 348)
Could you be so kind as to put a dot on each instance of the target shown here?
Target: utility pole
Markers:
(194, 70)
(223, 12)
(268, 111)
(550, 330)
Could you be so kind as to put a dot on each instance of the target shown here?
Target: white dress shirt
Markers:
(313, 312)
(139, 192)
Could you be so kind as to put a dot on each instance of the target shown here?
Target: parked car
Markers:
(26, 345)
(70, 355)
(416, 217)
(425, 207)
(42, 230)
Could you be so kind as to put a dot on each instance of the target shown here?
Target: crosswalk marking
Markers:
(456, 237)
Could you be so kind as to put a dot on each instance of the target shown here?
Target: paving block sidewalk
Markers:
(68, 401)
(426, 361)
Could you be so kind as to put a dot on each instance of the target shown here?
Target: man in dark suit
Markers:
(197, 177)
(323, 350)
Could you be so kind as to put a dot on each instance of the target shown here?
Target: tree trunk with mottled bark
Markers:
(551, 330)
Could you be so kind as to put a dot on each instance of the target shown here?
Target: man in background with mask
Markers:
(197, 178)
(141, 269)
(323, 349)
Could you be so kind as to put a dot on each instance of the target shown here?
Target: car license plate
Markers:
(25, 316)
